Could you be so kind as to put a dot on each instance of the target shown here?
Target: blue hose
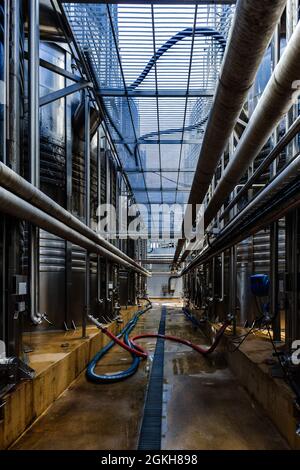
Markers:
(110, 378)
(191, 318)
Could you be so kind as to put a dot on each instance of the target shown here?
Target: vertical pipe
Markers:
(274, 280)
(108, 266)
(291, 277)
(233, 285)
(99, 153)
(14, 89)
(68, 200)
(3, 158)
(34, 153)
(274, 231)
(87, 160)
(5, 91)
(213, 292)
(14, 330)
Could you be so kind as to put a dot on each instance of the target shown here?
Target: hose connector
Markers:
(96, 322)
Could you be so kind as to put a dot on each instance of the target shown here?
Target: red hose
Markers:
(137, 350)
(140, 352)
(197, 348)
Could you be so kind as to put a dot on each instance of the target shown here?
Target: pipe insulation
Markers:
(22, 188)
(258, 214)
(277, 98)
(275, 152)
(12, 205)
(250, 35)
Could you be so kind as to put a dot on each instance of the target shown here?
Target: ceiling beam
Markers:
(158, 141)
(156, 2)
(158, 190)
(167, 93)
(155, 170)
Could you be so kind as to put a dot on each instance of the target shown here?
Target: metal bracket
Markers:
(12, 369)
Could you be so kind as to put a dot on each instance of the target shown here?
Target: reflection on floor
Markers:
(204, 406)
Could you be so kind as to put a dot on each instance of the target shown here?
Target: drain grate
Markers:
(150, 435)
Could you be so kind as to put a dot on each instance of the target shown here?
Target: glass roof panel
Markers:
(156, 67)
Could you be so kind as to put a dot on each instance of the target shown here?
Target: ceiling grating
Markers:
(157, 68)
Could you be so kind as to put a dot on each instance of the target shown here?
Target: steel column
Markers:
(87, 160)
(68, 201)
(99, 155)
(14, 319)
(233, 285)
(292, 276)
(274, 304)
(3, 157)
(34, 154)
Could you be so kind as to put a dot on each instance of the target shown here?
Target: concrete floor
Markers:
(204, 406)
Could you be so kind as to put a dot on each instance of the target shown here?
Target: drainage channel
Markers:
(150, 434)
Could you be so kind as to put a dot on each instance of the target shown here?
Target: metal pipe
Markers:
(17, 207)
(34, 154)
(288, 174)
(13, 229)
(233, 273)
(255, 216)
(18, 185)
(221, 299)
(274, 247)
(174, 276)
(87, 162)
(14, 89)
(250, 36)
(99, 153)
(275, 152)
(275, 102)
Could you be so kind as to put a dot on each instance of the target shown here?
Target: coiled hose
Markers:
(137, 353)
(135, 350)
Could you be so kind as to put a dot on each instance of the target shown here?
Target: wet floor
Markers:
(204, 406)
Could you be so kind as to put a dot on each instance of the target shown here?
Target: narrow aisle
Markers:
(93, 416)
(204, 406)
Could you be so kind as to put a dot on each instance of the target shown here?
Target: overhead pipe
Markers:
(275, 152)
(278, 183)
(259, 213)
(22, 188)
(275, 102)
(251, 34)
(17, 207)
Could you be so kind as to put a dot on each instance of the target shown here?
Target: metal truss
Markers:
(156, 66)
